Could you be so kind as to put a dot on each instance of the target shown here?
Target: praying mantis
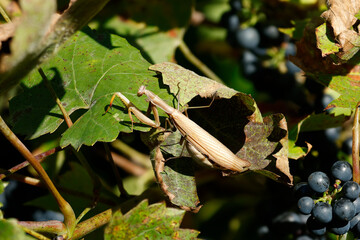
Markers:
(201, 145)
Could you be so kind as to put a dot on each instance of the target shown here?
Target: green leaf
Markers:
(325, 41)
(322, 121)
(348, 88)
(179, 177)
(175, 171)
(342, 77)
(314, 122)
(145, 221)
(10, 230)
(85, 73)
(296, 152)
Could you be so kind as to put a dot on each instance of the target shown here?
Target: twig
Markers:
(355, 145)
(200, 65)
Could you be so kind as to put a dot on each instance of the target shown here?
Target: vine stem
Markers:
(198, 63)
(355, 145)
(65, 207)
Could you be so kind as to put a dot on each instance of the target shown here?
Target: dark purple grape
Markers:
(319, 181)
(351, 190)
(290, 49)
(302, 189)
(356, 203)
(342, 170)
(230, 20)
(332, 134)
(322, 212)
(271, 32)
(305, 205)
(344, 209)
(235, 5)
(292, 68)
(315, 226)
(269, 35)
(339, 227)
(250, 63)
(248, 38)
(354, 220)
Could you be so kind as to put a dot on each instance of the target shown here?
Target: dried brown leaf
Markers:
(341, 16)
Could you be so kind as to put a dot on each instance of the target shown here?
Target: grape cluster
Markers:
(334, 208)
(256, 44)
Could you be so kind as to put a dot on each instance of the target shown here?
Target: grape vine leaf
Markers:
(229, 116)
(326, 41)
(175, 176)
(296, 152)
(146, 221)
(10, 230)
(87, 70)
(341, 17)
(315, 57)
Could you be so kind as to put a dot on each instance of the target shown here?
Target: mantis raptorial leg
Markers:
(133, 109)
(202, 146)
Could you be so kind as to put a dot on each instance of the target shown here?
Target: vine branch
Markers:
(355, 145)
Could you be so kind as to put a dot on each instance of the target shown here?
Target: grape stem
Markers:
(331, 194)
(355, 146)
